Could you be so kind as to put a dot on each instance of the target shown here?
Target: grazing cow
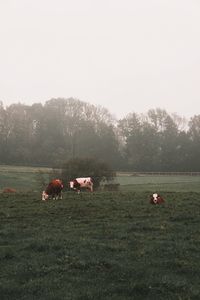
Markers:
(156, 199)
(53, 190)
(79, 183)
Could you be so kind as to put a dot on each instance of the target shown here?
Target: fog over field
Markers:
(123, 55)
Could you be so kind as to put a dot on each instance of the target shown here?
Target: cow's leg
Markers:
(90, 188)
(57, 196)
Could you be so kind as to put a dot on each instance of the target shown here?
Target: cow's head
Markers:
(155, 197)
(45, 196)
(71, 184)
(74, 185)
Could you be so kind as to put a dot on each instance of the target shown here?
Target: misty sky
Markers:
(125, 55)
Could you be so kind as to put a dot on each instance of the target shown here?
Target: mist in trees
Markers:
(64, 129)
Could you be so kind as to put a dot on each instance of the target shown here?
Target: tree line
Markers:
(64, 129)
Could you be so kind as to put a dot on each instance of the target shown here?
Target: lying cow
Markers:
(53, 190)
(80, 183)
(156, 199)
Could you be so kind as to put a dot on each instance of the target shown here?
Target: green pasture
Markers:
(23, 178)
(26, 179)
(173, 183)
(100, 246)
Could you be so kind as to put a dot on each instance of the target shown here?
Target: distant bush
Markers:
(87, 167)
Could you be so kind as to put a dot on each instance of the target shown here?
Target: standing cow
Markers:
(53, 190)
(156, 199)
(79, 183)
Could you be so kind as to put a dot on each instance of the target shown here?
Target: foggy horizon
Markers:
(126, 56)
(117, 116)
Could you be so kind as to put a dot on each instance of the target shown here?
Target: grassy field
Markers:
(105, 245)
(23, 178)
(170, 183)
(30, 179)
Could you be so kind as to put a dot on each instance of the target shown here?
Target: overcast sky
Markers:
(125, 55)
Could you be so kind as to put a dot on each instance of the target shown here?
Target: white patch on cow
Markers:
(45, 196)
(84, 182)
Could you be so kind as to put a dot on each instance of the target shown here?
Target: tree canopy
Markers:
(64, 129)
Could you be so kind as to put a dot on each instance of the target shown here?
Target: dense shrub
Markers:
(87, 167)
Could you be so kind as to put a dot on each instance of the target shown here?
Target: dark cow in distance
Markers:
(156, 199)
(53, 190)
(81, 183)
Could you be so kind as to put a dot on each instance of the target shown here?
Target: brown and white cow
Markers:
(53, 190)
(156, 199)
(81, 183)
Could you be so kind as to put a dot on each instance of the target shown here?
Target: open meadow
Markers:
(25, 179)
(101, 245)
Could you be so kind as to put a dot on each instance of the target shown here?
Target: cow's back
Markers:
(57, 183)
(84, 181)
(55, 186)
